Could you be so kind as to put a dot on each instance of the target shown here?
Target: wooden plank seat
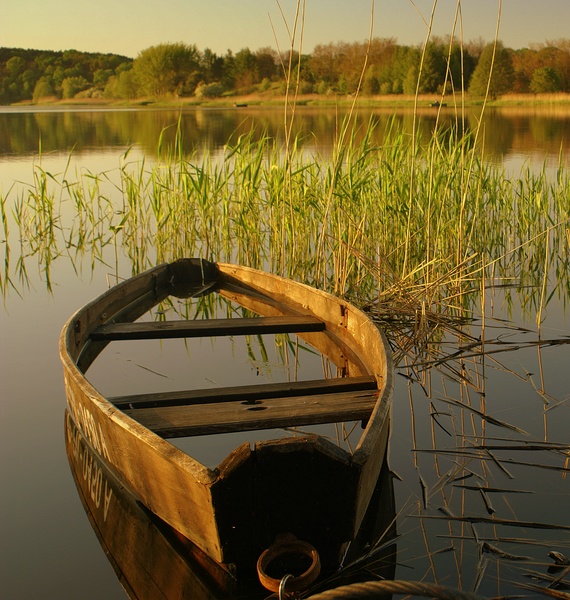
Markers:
(146, 330)
(269, 413)
(245, 393)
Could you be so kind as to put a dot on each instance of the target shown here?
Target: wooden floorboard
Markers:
(202, 419)
(242, 393)
(145, 330)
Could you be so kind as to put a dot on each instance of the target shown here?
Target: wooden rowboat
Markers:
(304, 484)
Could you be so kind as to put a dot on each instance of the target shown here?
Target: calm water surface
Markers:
(535, 133)
(48, 547)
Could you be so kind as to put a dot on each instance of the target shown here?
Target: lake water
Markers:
(49, 549)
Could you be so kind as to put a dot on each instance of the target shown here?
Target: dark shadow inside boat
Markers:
(152, 560)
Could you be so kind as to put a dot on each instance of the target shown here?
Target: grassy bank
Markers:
(277, 100)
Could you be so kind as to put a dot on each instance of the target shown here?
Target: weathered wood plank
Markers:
(132, 311)
(147, 286)
(203, 419)
(249, 393)
(145, 330)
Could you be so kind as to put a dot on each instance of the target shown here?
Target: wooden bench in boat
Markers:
(146, 330)
(240, 408)
(271, 413)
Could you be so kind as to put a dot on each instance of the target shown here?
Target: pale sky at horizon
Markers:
(129, 26)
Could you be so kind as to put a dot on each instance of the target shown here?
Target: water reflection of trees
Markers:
(519, 131)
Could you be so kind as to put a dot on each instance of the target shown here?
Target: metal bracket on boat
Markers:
(283, 555)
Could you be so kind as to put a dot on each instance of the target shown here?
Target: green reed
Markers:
(407, 217)
(5, 275)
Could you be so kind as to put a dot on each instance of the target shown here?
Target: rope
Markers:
(373, 589)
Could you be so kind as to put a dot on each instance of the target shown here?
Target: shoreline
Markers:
(312, 100)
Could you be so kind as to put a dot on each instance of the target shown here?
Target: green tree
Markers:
(322, 87)
(71, 86)
(244, 69)
(266, 63)
(403, 72)
(545, 81)
(15, 66)
(101, 77)
(185, 62)
(228, 72)
(12, 79)
(58, 74)
(410, 83)
(43, 89)
(167, 69)
(433, 69)
(209, 90)
(43, 60)
(212, 66)
(21, 69)
(122, 85)
(556, 54)
(493, 73)
(461, 66)
(370, 85)
(29, 79)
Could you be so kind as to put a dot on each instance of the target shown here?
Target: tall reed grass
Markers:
(354, 222)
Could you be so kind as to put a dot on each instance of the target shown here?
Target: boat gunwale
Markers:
(203, 474)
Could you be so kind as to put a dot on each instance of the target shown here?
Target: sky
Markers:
(127, 27)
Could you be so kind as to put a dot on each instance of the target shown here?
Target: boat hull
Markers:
(151, 559)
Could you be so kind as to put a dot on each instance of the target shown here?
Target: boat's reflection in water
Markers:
(154, 561)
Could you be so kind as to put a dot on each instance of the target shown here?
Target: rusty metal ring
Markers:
(280, 549)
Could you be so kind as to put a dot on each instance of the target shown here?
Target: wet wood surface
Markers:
(270, 413)
(147, 330)
(248, 393)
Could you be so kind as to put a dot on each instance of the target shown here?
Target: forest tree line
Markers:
(181, 70)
